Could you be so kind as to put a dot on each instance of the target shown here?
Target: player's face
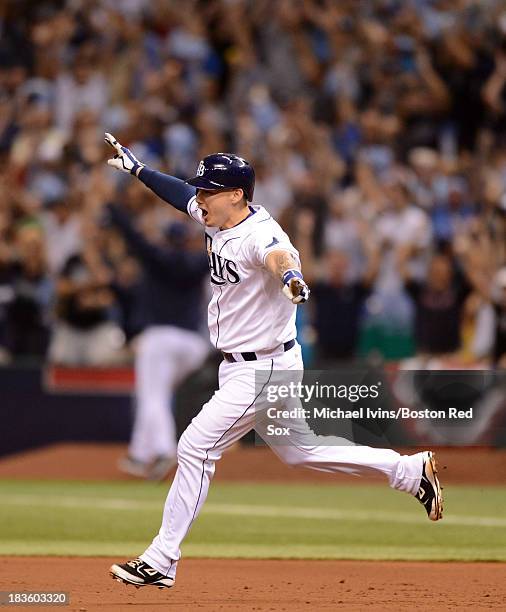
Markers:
(218, 206)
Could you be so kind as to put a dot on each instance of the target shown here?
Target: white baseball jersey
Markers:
(248, 311)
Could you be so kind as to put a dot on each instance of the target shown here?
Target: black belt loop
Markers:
(253, 356)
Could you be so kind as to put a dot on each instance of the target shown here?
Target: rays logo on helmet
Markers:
(201, 169)
(222, 171)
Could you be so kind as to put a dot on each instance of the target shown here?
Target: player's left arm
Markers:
(285, 266)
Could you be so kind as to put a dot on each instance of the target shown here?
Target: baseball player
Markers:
(256, 284)
(168, 349)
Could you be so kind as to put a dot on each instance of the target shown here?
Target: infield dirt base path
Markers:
(217, 584)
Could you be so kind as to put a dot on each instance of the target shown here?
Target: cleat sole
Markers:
(439, 494)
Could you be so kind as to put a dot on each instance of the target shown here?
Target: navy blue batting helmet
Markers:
(225, 170)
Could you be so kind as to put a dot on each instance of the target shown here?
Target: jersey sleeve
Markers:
(267, 239)
(194, 211)
(172, 190)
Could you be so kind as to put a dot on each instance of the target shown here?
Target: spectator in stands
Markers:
(439, 304)
(338, 296)
(498, 300)
(84, 87)
(401, 225)
(85, 333)
(62, 231)
(494, 93)
(6, 291)
(489, 283)
(29, 309)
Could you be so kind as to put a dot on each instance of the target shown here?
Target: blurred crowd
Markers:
(377, 129)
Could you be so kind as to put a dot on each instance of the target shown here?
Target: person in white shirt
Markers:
(254, 269)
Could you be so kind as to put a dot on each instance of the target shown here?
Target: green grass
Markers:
(254, 521)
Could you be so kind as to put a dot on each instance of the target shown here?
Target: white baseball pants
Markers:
(227, 416)
(165, 356)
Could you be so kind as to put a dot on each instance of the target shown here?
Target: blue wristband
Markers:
(289, 274)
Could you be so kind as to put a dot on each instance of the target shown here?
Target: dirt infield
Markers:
(268, 585)
(242, 463)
